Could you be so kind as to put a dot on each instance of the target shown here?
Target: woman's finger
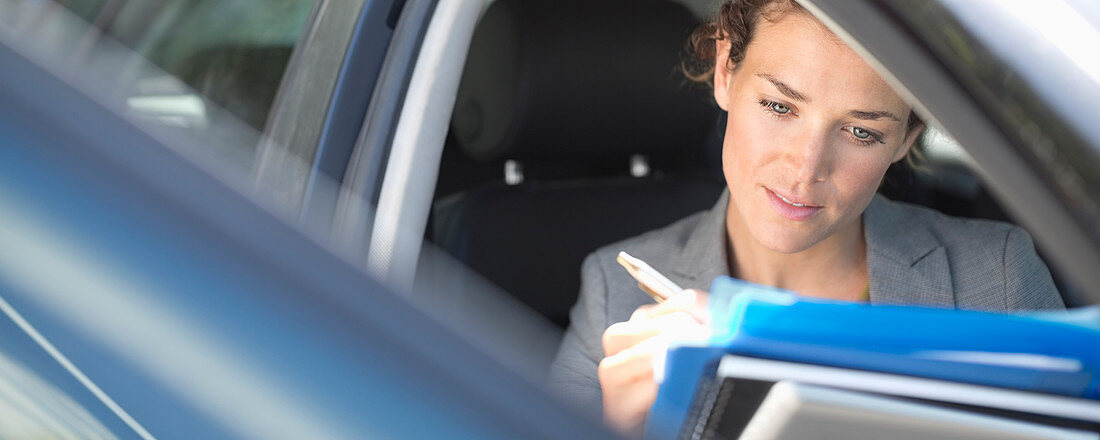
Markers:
(630, 365)
(642, 312)
(690, 300)
(623, 335)
(626, 408)
(629, 389)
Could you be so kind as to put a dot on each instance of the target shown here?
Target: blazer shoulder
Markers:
(992, 264)
(953, 233)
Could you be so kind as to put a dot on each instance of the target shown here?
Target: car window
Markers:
(482, 196)
(1014, 82)
(231, 53)
(1041, 82)
(207, 70)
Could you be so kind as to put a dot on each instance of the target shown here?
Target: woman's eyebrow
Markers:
(872, 115)
(784, 88)
(798, 96)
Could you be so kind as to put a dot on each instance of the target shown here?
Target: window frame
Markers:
(302, 104)
(384, 206)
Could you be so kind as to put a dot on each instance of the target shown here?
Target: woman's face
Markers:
(811, 131)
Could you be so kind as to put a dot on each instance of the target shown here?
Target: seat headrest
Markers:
(579, 79)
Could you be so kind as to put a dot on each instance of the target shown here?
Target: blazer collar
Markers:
(703, 257)
(906, 263)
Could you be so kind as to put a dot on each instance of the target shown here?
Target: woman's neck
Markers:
(833, 268)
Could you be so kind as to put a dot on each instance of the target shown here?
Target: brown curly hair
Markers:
(736, 21)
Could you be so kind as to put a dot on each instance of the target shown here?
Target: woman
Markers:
(810, 133)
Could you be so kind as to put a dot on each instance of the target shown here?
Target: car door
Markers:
(168, 299)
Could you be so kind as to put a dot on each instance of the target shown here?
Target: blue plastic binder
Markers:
(1047, 352)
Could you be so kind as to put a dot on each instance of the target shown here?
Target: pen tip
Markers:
(625, 256)
(626, 261)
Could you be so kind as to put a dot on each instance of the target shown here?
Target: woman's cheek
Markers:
(736, 150)
(754, 141)
(861, 177)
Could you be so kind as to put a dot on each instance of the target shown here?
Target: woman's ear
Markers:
(722, 73)
(910, 138)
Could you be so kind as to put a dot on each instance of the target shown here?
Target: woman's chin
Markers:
(786, 242)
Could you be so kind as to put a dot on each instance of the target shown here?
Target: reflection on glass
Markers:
(205, 70)
(1033, 66)
(32, 408)
(938, 147)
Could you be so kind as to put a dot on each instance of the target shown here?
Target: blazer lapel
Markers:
(703, 257)
(906, 264)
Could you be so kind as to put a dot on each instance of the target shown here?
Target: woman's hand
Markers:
(630, 349)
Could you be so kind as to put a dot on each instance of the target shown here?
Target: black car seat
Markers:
(602, 138)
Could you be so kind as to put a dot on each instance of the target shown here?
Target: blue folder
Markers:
(1054, 352)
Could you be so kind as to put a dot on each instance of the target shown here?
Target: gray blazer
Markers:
(915, 255)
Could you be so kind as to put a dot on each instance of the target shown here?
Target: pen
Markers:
(649, 280)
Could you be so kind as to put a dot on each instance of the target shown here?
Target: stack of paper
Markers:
(910, 371)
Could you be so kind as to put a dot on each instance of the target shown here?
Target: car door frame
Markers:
(384, 204)
(319, 107)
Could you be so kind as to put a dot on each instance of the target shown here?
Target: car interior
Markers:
(575, 128)
(553, 95)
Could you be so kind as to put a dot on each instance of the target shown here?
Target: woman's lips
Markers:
(790, 211)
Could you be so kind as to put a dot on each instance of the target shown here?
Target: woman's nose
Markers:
(809, 157)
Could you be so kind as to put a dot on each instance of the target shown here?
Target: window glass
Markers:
(1013, 74)
(207, 70)
(233, 53)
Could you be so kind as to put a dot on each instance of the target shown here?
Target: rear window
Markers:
(205, 69)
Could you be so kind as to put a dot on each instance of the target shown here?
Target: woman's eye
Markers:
(865, 137)
(776, 109)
